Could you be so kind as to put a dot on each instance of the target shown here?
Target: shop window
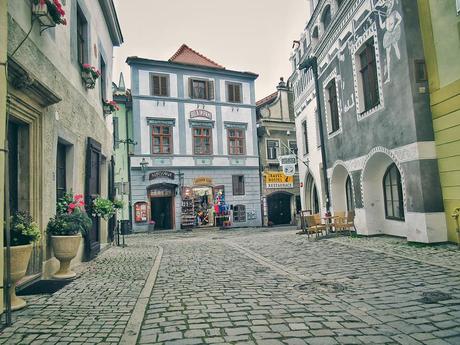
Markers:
(368, 75)
(201, 89)
(82, 37)
(202, 141)
(333, 116)
(239, 213)
(61, 171)
(392, 191)
(238, 184)
(236, 141)
(272, 148)
(159, 85)
(305, 137)
(349, 194)
(161, 139)
(234, 93)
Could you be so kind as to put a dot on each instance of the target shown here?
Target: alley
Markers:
(254, 287)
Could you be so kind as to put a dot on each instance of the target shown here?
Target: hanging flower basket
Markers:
(89, 75)
(49, 12)
(110, 107)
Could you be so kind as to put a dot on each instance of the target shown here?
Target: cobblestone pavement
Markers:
(256, 287)
(94, 308)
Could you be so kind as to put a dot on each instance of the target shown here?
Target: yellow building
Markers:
(440, 24)
(3, 83)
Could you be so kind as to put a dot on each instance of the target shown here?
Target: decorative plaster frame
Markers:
(332, 75)
(344, 165)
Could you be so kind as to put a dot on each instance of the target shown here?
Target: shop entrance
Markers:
(203, 205)
(161, 209)
(279, 208)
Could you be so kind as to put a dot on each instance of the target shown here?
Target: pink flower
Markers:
(72, 205)
(86, 65)
(78, 196)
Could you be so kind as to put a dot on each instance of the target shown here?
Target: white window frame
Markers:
(355, 49)
(277, 151)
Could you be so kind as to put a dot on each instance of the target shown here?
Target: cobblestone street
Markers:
(253, 287)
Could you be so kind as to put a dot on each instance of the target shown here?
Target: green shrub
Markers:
(23, 229)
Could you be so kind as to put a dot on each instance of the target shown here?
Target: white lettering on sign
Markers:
(200, 113)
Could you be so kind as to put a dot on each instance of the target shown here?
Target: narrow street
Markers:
(252, 287)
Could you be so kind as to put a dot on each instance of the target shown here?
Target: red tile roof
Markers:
(267, 99)
(187, 55)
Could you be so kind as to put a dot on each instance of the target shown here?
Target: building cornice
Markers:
(111, 19)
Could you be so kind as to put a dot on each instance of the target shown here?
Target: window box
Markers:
(89, 75)
(49, 13)
(110, 107)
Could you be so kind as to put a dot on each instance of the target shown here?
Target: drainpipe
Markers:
(312, 62)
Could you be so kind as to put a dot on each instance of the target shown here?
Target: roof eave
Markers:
(111, 19)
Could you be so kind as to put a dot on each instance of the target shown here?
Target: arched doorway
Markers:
(279, 208)
(341, 189)
(383, 196)
(311, 195)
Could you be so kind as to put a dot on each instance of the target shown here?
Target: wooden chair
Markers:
(314, 227)
(303, 215)
(337, 220)
(348, 223)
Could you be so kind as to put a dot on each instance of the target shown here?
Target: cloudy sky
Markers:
(243, 35)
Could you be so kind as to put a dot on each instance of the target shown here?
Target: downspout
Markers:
(4, 201)
(312, 63)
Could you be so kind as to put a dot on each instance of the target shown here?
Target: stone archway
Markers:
(338, 191)
(311, 195)
(373, 196)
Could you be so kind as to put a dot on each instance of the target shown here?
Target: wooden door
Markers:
(92, 190)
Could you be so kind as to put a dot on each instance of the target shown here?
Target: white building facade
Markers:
(196, 162)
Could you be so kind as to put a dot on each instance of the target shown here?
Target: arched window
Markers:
(349, 193)
(392, 191)
(339, 3)
(326, 17)
(314, 35)
(315, 201)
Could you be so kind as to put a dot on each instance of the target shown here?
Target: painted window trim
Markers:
(171, 139)
(168, 84)
(161, 121)
(327, 81)
(355, 49)
(211, 149)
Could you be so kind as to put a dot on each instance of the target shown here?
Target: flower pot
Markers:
(20, 256)
(42, 14)
(65, 248)
(88, 79)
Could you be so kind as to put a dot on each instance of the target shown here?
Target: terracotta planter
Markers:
(20, 256)
(65, 248)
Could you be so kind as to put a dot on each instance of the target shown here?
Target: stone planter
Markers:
(65, 248)
(20, 256)
(88, 79)
(43, 16)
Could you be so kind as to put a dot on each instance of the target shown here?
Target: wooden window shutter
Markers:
(237, 93)
(210, 84)
(164, 86)
(235, 184)
(190, 88)
(231, 94)
(155, 85)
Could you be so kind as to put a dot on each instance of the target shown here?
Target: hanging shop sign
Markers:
(162, 174)
(200, 113)
(288, 163)
(274, 180)
(202, 181)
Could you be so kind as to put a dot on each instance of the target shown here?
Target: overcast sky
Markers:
(243, 35)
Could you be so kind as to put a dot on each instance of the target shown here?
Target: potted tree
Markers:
(66, 228)
(24, 231)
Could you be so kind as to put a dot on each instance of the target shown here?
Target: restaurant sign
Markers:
(274, 180)
(201, 113)
(162, 174)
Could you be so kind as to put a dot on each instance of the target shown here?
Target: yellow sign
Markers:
(277, 179)
(202, 181)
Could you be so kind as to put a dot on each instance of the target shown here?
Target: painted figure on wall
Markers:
(392, 24)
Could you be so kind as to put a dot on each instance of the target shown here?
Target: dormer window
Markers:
(326, 17)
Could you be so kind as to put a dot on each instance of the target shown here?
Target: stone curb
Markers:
(132, 330)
